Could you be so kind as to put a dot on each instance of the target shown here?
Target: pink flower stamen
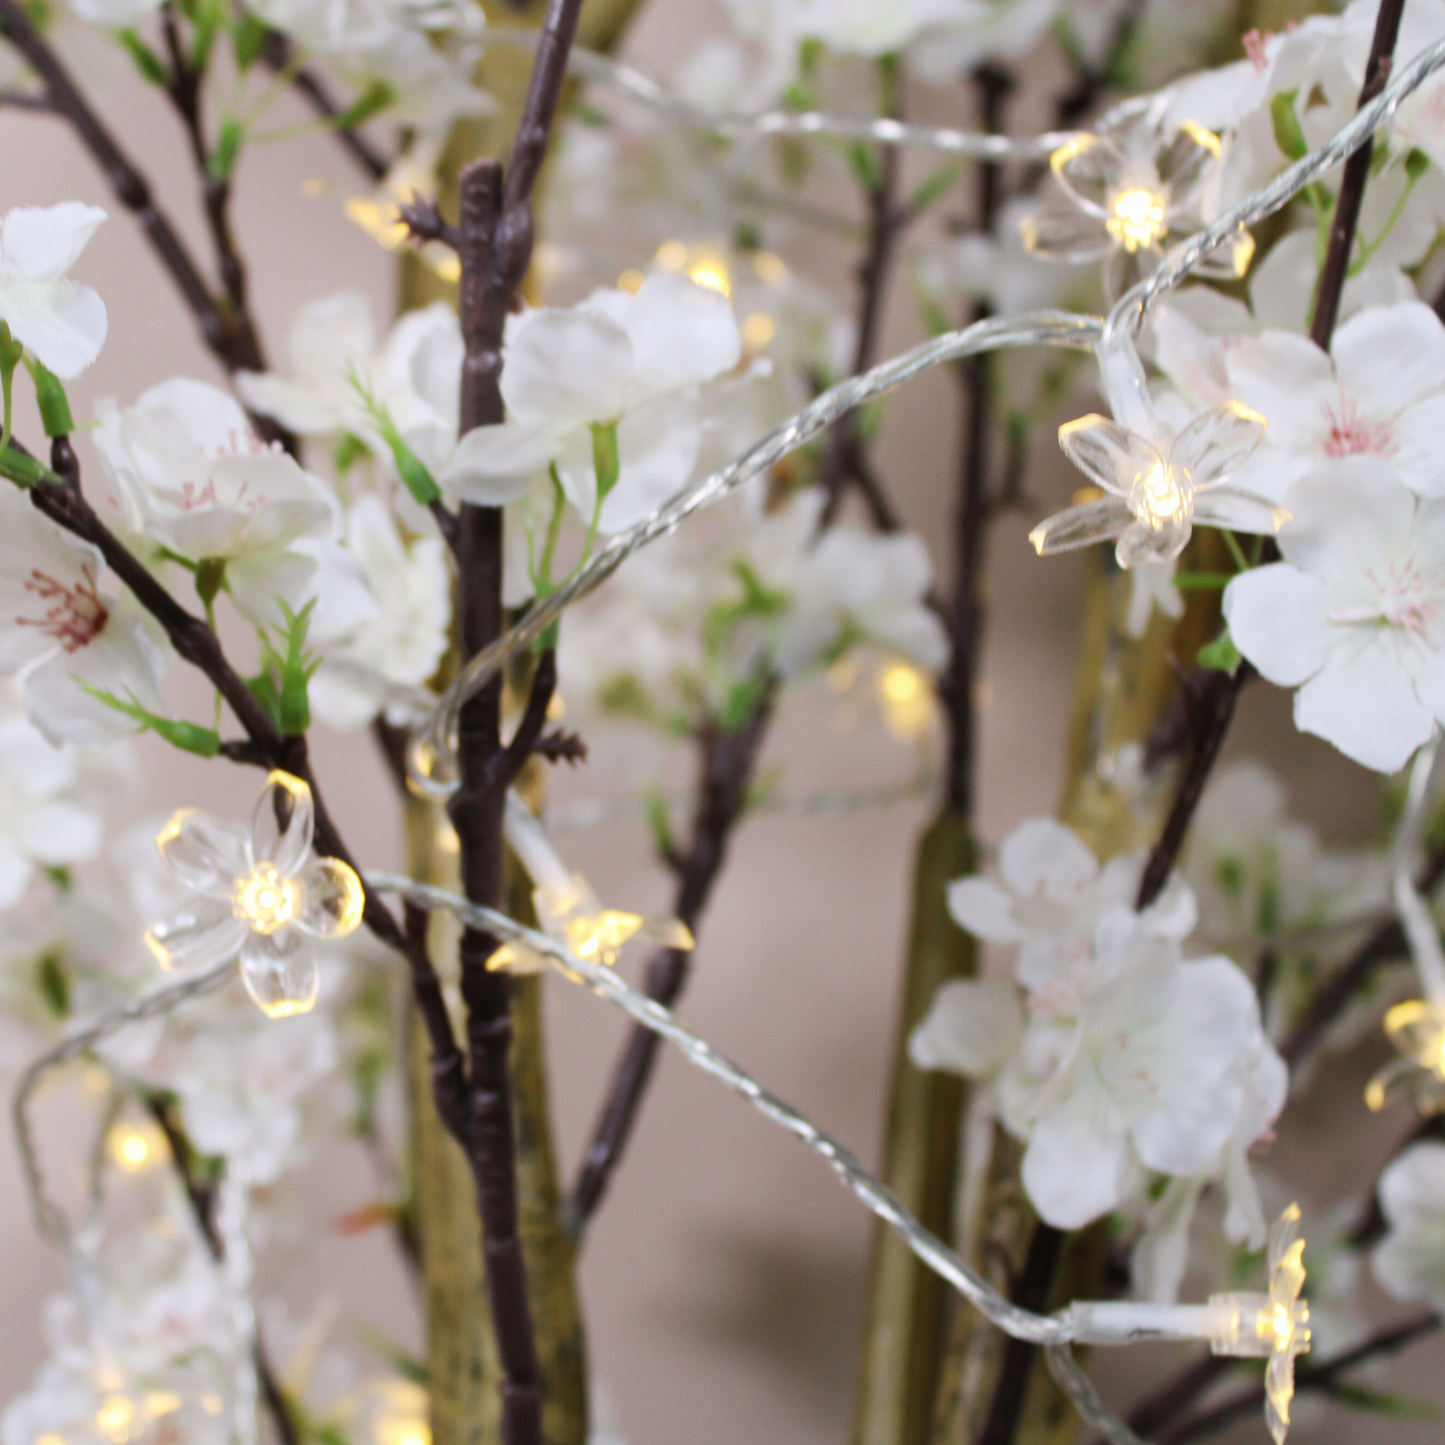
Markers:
(1407, 601)
(1352, 434)
(77, 614)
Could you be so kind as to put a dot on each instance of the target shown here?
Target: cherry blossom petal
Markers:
(1081, 526)
(1363, 702)
(493, 464)
(283, 845)
(1075, 1166)
(62, 322)
(984, 910)
(566, 367)
(41, 243)
(16, 871)
(1277, 616)
(207, 854)
(1285, 378)
(1350, 519)
(279, 971)
(682, 334)
(658, 446)
(198, 934)
(1042, 856)
(1389, 356)
(62, 832)
(1065, 235)
(971, 1028)
(297, 406)
(1414, 446)
(1110, 455)
(334, 899)
(1217, 442)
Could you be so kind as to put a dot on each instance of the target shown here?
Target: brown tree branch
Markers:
(729, 762)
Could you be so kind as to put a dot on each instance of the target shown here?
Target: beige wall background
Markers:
(724, 1277)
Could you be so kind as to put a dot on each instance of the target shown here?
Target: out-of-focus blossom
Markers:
(1409, 1261)
(61, 321)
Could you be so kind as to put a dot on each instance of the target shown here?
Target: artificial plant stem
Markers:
(728, 763)
(476, 811)
(130, 186)
(1217, 710)
(198, 645)
(1335, 270)
(279, 55)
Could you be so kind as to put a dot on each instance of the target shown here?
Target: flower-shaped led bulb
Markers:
(260, 892)
(1158, 484)
(575, 917)
(1417, 1030)
(1128, 188)
(1273, 1326)
(567, 908)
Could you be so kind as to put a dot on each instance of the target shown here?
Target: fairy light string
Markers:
(430, 759)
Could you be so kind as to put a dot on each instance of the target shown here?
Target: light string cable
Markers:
(431, 758)
(637, 85)
(605, 983)
(50, 1218)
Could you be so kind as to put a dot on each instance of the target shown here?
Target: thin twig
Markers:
(728, 764)
(278, 55)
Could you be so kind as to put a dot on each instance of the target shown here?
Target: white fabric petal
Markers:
(658, 446)
(682, 334)
(1074, 1170)
(62, 322)
(972, 1027)
(1277, 617)
(1389, 356)
(1042, 856)
(493, 464)
(984, 910)
(566, 367)
(41, 243)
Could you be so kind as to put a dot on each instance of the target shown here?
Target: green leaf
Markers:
(742, 698)
(1401, 1407)
(189, 737)
(248, 36)
(407, 1365)
(282, 685)
(409, 467)
(1203, 581)
(659, 824)
(1221, 654)
(606, 462)
(866, 166)
(936, 186)
(150, 65)
(372, 101)
(228, 148)
(51, 399)
(52, 981)
(1416, 164)
(1289, 136)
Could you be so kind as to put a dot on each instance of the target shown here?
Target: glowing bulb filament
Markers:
(1136, 218)
(266, 900)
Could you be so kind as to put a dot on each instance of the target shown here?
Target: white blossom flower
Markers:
(192, 477)
(1158, 483)
(630, 360)
(60, 321)
(1409, 1261)
(259, 892)
(63, 629)
(1379, 393)
(41, 824)
(381, 664)
(1354, 617)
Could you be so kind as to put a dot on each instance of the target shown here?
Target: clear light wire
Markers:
(606, 984)
(1405, 855)
(50, 1218)
(637, 85)
(431, 762)
(1071, 1379)
(430, 759)
(1133, 308)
